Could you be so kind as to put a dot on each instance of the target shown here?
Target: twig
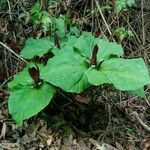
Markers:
(11, 18)
(147, 102)
(92, 7)
(103, 18)
(3, 12)
(12, 52)
(146, 8)
(129, 24)
(5, 82)
(140, 121)
(6, 67)
(143, 27)
(9, 10)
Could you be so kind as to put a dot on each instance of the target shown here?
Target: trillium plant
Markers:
(72, 63)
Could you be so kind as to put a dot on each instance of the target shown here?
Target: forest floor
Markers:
(120, 121)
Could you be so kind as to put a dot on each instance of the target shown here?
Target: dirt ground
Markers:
(120, 121)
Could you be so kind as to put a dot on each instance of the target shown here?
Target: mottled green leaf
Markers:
(67, 70)
(37, 47)
(86, 42)
(138, 92)
(124, 74)
(23, 77)
(106, 49)
(123, 4)
(60, 23)
(27, 101)
(46, 20)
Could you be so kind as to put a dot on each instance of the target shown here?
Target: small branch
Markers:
(103, 18)
(10, 15)
(146, 8)
(143, 26)
(9, 10)
(140, 121)
(5, 46)
(5, 82)
(95, 143)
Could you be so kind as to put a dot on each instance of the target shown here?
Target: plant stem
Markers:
(56, 40)
(91, 108)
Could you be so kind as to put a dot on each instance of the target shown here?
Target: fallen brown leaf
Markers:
(146, 143)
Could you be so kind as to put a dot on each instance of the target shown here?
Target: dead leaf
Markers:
(104, 146)
(82, 99)
(119, 146)
(82, 146)
(3, 131)
(146, 143)
(95, 143)
(49, 140)
(3, 26)
(26, 139)
(108, 147)
(8, 145)
(131, 147)
(67, 143)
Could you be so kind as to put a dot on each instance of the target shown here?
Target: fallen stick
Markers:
(5, 46)
(141, 121)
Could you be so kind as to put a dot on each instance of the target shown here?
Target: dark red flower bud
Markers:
(94, 56)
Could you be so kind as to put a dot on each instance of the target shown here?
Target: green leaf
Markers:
(67, 70)
(46, 20)
(86, 42)
(124, 74)
(123, 4)
(60, 24)
(37, 47)
(97, 77)
(35, 19)
(23, 77)
(138, 92)
(122, 33)
(75, 31)
(36, 8)
(71, 40)
(106, 49)
(27, 101)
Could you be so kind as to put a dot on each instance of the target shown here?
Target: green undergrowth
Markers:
(73, 62)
